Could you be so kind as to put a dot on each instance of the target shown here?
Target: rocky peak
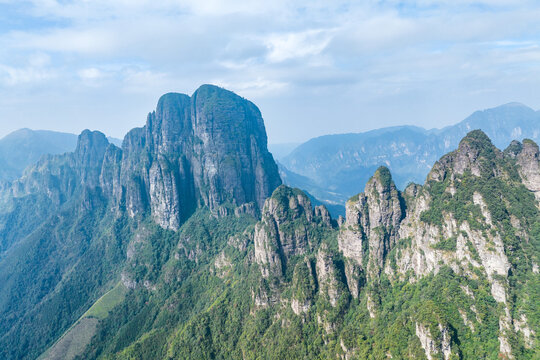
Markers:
(209, 149)
(513, 149)
(476, 144)
(384, 200)
(59, 175)
(385, 211)
(89, 155)
(473, 147)
(91, 148)
(527, 156)
(373, 221)
(170, 123)
(528, 160)
(288, 204)
(286, 229)
(231, 153)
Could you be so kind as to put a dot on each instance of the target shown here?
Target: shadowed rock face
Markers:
(209, 149)
(88, 156)
(373, 220)
(475, 146)
(289, 227)
(206, 150)
(529, 167)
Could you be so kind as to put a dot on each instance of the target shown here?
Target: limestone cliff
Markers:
(372, 223)
(471, 216)
(209, 149)
(206, 150)
(289, 227)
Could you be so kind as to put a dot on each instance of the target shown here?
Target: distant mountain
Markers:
(339, 164)
(115, 141)
(182, 244)
(281, 150)
(25, 147)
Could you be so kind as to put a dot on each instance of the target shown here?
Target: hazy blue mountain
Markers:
(183, 244)
(332, 202)
(281, 150)
(339, 163)
(24, 147)
(115, 141)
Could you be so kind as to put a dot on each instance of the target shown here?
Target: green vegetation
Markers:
(384, 176)
(199, 293)
(446, 244)
(107, 302)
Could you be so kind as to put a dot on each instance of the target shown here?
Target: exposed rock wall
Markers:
(206, 150)
(468, 238)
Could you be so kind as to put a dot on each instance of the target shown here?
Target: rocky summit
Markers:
(183, 244)
(210, 149)
(206, 150)
(333, 167)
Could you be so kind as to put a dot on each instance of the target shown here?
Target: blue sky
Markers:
(313, 67)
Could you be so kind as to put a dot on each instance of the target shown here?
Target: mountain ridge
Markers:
(215, 258)
(72, 215)
(339, 162)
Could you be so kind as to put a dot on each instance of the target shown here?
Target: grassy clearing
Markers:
(75, 339)
(106, 303)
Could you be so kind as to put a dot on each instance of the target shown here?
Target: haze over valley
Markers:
(269, 180)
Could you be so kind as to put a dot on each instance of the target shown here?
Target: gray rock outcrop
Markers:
(206, 150)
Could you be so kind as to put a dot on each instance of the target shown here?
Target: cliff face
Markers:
(446, 270)
(465, 241)
(289, 227)
(206, 150)
(473, 216)
(372, 223)
(210, 149)
(78, 221)
(528, 159)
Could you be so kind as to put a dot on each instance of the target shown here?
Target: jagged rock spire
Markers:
(372, 224)
(208, 149)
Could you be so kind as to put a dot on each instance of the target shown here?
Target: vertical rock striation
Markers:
(287, 229)
(372, 223)
(209, 149)
(206, 150)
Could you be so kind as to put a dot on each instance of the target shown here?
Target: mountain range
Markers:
(185, 244)
(24, 147)
(332, 167)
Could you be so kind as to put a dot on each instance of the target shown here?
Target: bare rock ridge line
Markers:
(445, 266)
(333, 168)
(408, 236)
(209, 149)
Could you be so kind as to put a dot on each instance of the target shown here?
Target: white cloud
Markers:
(36, 71)
(379, 55)
(136, 80)
(254, 88)
(90, 74)
(13, 76)
(83, 41)
(297, 45)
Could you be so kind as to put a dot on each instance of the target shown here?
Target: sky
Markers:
(312, 67)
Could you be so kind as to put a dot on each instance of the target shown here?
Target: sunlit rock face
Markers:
(372, 223)
(209, 149)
